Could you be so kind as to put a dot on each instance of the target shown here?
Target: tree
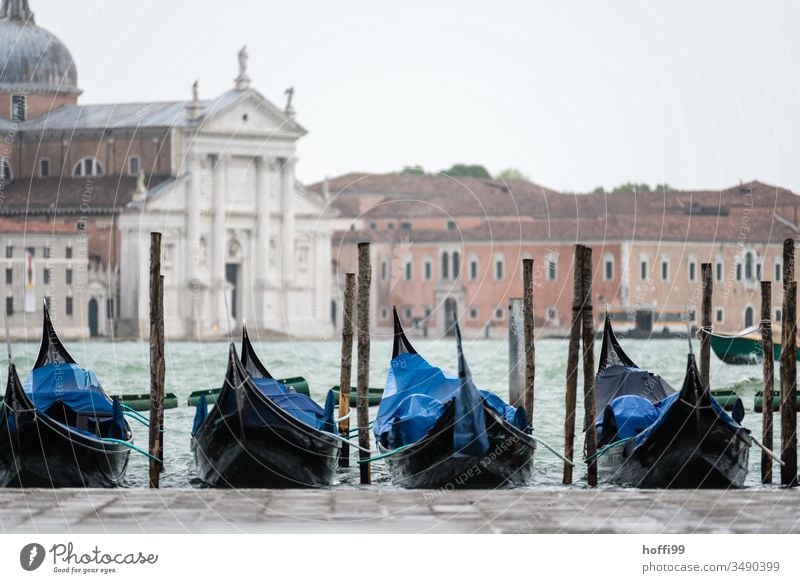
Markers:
(467, 171)
(598, 190)
(633, 187)
(416, 170)
(511, 174)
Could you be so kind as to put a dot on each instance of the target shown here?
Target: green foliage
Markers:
(511, 174)
(633, 187)
(467, 171)
(416, 170)
(598, 190)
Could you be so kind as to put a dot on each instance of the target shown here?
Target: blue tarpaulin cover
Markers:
(76, 387)
(415, 397)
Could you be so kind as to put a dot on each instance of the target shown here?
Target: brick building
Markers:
(446, 245)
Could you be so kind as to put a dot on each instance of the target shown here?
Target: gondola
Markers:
(436, 430)
(261, 433)
(60, 429)
(651, 436)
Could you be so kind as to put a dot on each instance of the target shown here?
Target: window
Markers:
(473, 313)
(456, 264)
(473, 269)
(643, 269)
(552, 313)
(405, 226)
(384, 270)
(778, 315)
(738, 272)
(49, 301)
(10, 305)
(5, 170)
(498, 268)
(9, 251)
(665, 269)
(9, 275)
(18, 107)
(778, 270)
(46, 252)
(748, 266)
(498, 313)
(720, 269)
(451, 225)
(758, 271)
(428, 269)
(408, 270)
(552, 267)
(408, 313)
(87, 167)
(68, 274)
(68, 252)
(373, 226)
(110, 308)
(44, 167)
(608, 267)
(390, 225)
(384, 312)
(719, 316)
(445, 265)
(133, 165)
(692, 270)
(46, 275)
(69, 305)
(749, 316)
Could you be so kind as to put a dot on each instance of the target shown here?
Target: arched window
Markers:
(749, 316)
(5, 170)
(748, 265)
(445, 265)
(456, 264)
(88, 167)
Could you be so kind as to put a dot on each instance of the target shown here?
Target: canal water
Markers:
(123, 367)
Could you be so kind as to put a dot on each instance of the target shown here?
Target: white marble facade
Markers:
(242, 240)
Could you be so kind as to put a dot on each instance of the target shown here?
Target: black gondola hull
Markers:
(42, 453)
(269, 456)
(687, 451)
(431, 462)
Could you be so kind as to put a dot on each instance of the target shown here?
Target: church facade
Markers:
(242, 239)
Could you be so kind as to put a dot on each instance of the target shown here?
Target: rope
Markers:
(387, 454)
(130, 445)
(133, 412)
(597, 454)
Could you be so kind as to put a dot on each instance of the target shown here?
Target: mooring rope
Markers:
(597, 454)
(131, 446)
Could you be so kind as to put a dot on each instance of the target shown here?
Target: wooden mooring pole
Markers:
(362, 381)
(788, 369)
(530, 349)
(705, 336)
(345, 377)
(516, 353)
(769, 380)
(572, 362)
(587, 312)
(157, 366)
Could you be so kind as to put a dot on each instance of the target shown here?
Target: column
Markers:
(264, 180)
(287, 224)
(192, 217)
(219, 314)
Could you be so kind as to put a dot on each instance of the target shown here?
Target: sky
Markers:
(575, 94)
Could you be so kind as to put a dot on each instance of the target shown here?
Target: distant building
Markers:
(241, 238)
(443, 246)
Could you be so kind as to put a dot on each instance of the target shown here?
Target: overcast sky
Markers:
(575, 94)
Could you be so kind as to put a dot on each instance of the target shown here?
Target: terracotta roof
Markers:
(38, 227)
(56, 195)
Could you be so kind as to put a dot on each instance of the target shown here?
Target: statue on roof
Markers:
(243, 81)
(289, 93)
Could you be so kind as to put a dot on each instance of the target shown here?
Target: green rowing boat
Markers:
(742, 348)
(758, 405)
(299, 384)
(375, 394)
(141, 401)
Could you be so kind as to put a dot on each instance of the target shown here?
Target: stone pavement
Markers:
(390, 510)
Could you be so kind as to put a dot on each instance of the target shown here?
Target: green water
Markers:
(123, 367)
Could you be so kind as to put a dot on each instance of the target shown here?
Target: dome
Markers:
(32, 59)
